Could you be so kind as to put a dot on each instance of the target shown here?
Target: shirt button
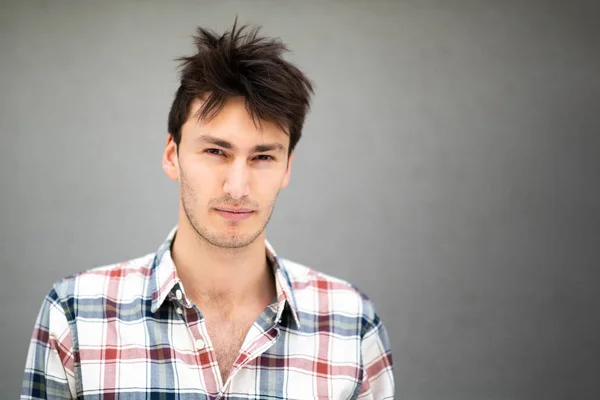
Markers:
(199, 344)
(179, 310)
(179, 294)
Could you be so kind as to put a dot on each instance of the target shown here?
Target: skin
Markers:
(222, 263)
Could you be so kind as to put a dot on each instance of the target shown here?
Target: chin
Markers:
(232, 242)
(231, 238)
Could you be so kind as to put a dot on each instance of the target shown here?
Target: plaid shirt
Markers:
(128, 331)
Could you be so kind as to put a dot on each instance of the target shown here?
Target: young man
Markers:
(215, 313)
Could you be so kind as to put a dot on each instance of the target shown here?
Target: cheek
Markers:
(201, 172)
(198, 180)
(266, 190)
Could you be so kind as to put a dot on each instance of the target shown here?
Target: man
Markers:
(215, 313)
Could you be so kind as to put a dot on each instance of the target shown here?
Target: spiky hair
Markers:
(241, 62)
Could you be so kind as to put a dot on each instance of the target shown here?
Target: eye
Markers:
(264, 157)
(215, 152)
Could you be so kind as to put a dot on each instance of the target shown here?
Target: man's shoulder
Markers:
(317, 292)
(121, 280)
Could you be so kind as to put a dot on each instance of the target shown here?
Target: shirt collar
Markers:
(164, 279)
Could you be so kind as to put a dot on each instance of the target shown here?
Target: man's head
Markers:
(235, 121)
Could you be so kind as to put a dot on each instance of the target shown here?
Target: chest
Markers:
(227, 338)
(159, 356)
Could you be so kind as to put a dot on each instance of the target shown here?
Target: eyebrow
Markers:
(259, 148)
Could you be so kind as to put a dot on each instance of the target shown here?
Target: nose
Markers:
(237, 183)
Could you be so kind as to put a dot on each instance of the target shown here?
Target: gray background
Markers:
(449, 168)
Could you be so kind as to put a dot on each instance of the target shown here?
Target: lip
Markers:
(235, 210)
(235, 214)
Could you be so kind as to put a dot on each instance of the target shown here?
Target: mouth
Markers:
(235, 214)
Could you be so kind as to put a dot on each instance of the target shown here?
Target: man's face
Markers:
(228, 164)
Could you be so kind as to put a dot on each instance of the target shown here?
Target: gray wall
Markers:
(450, 168)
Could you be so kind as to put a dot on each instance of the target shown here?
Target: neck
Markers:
(222, 279)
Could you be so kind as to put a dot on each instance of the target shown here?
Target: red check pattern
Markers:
(128, 330)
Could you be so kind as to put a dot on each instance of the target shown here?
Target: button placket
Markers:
(201, 344)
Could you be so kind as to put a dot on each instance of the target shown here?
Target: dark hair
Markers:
(242, 63)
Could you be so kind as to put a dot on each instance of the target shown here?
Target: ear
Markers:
(170, 161)
(286, 178)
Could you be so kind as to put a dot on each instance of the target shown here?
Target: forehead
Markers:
(234, 124)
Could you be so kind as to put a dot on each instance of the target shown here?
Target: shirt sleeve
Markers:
(378, 377)
(49, 365)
